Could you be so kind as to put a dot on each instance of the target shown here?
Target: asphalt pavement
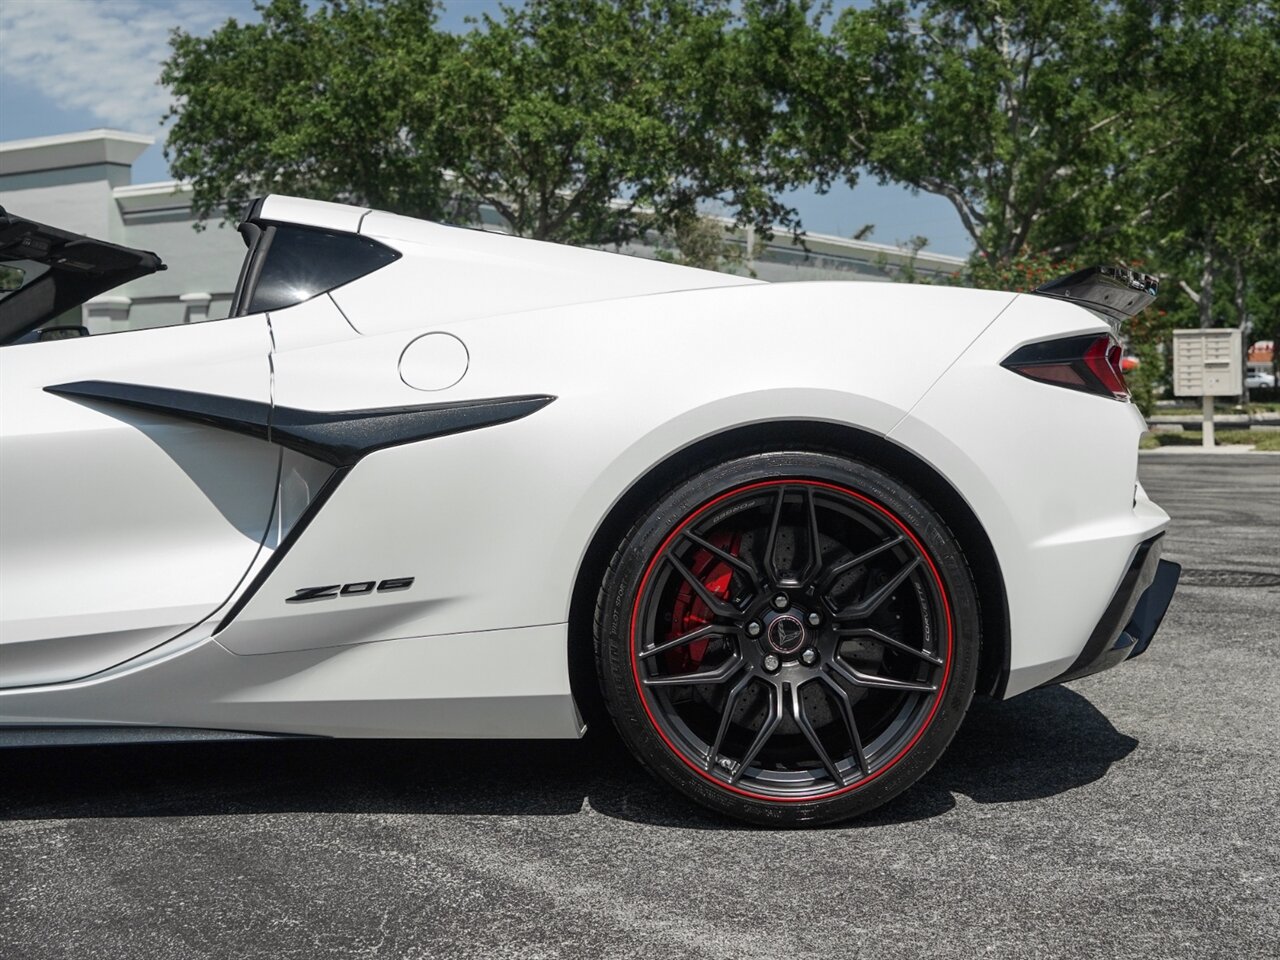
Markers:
(1131, 814)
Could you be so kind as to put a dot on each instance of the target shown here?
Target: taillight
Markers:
(1090, 363)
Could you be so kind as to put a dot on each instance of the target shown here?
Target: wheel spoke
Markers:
(814, 567)
(836, 570)
(868, 605)
(719, 675)
(726, 715)
(860, 679)
(736, 562)
(802, 721)
(706, 631)
(888, 641)
(719, 607)
(766, 731)
(851, 725)
(771, 544)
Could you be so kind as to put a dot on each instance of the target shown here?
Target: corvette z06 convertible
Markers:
(425, 481)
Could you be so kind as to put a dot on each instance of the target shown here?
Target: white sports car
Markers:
(427, 481)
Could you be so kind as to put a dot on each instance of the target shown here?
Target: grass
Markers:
(1258, 439)
(1182, 411)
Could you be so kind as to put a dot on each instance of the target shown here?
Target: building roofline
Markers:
(150, 197)
(834, 243)
(156, 188)
(816, 242)
(78, 149)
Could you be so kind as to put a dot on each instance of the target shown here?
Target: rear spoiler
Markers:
(1116, 292)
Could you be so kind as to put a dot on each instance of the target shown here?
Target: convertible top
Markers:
(58, 271)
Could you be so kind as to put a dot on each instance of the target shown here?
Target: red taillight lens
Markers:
(1089, 363)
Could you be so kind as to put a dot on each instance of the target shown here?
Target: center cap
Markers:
(786, 634)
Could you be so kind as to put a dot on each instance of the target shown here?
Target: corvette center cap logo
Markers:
(786, 634)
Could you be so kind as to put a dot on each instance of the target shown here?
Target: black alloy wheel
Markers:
(788, 637)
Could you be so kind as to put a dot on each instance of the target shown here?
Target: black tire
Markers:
(912, 604)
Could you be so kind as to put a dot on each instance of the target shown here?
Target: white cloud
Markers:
(102, 56)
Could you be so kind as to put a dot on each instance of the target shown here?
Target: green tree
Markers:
(597, 120)
(1022, 274)
(587, 121)
(1216, 76)
(708, 243)
(332, 101)
(792, 118)
(1019, 113)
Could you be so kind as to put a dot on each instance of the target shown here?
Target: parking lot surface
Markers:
(1131, 814)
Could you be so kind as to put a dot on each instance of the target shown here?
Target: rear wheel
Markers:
(788, 637)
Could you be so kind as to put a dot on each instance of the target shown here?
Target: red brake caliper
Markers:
(690, 612)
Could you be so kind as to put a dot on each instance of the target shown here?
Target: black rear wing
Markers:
(1117, 292)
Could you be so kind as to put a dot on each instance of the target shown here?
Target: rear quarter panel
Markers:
(1051, 473)
(494, 524)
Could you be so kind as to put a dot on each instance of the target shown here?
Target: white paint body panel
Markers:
(622, 407)
(644, 360)
(1051, 474)
(450, 274)
(121, 529)
(414, 688)
(313, 213)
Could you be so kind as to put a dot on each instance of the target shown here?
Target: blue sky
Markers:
(68, 65)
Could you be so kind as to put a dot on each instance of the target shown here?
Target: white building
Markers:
(83, 182)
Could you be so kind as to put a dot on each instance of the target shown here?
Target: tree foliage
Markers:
(1216, 83)
(1016, 112)
(1022, 274)
(577, 120)
(586, 120)
(333, 101)
(708, 243)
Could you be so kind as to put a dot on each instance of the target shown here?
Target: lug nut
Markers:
(809, 657)
(781, 602)
(815, 618)
(771, 663)
(753, 629)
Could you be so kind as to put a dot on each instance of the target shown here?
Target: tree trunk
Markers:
(1208, 272)
(1242, 320)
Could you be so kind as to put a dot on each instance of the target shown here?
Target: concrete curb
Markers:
(1221, 448)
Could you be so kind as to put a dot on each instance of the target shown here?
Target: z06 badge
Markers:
(360, 588)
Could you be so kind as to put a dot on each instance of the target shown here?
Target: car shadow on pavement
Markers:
(1035, 746)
